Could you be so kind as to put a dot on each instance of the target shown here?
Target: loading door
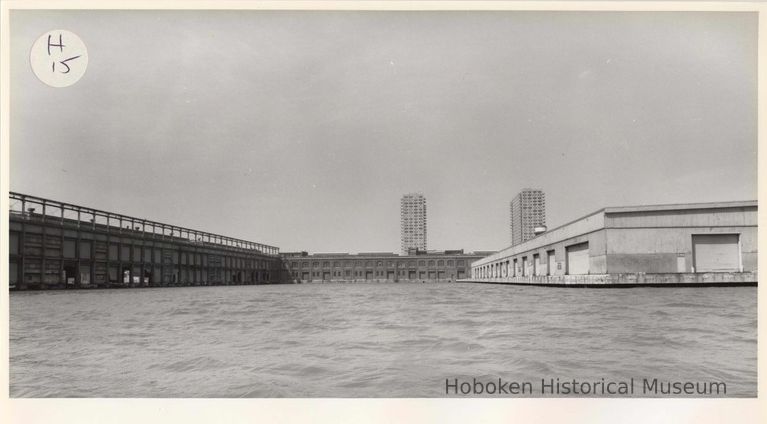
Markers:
(578, 259)
(552, 263)
(716, 252)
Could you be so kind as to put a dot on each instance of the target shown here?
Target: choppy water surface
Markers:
(371, 340)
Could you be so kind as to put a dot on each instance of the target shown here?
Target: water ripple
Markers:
(363, 340)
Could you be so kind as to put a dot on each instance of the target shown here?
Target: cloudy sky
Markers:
(303, 129)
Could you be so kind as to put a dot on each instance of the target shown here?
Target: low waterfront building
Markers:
(701, 243)
(443, 266)
(60, 245)
(55, 245)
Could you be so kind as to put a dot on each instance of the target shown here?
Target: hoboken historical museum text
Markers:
(576, 387)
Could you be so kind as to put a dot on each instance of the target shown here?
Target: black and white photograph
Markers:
(394, 203)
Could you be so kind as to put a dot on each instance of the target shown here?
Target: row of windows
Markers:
(347, 273)
(68, 249)
(57, 272)
(390, 264)
(381, 274)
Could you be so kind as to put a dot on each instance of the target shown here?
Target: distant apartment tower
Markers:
(528, 210)
(413, 222)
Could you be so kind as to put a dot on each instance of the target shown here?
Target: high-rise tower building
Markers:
(528, 210)
(413, 222)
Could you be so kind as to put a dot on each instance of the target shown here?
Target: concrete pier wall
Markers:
(630, 280)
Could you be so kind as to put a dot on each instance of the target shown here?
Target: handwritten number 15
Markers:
(63, 62)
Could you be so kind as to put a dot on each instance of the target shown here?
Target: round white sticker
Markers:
(59, 58)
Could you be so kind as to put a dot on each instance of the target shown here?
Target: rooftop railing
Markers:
(35, 208)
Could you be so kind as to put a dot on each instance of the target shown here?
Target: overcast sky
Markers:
(304, 129)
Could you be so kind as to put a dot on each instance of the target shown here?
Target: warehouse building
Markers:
(702, 243)
(432, 266)
(60, 245)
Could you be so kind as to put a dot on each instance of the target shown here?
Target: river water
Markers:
(372, 340)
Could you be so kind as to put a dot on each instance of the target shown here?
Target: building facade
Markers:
(413, 222)
(446, 266)
(528, 211)
(60, 245)
(689, 243)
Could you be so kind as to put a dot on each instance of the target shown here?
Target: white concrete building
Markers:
(663, 244)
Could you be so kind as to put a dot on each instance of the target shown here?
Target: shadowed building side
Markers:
(60, 245)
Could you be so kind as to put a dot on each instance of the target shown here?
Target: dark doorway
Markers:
(70, 274)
